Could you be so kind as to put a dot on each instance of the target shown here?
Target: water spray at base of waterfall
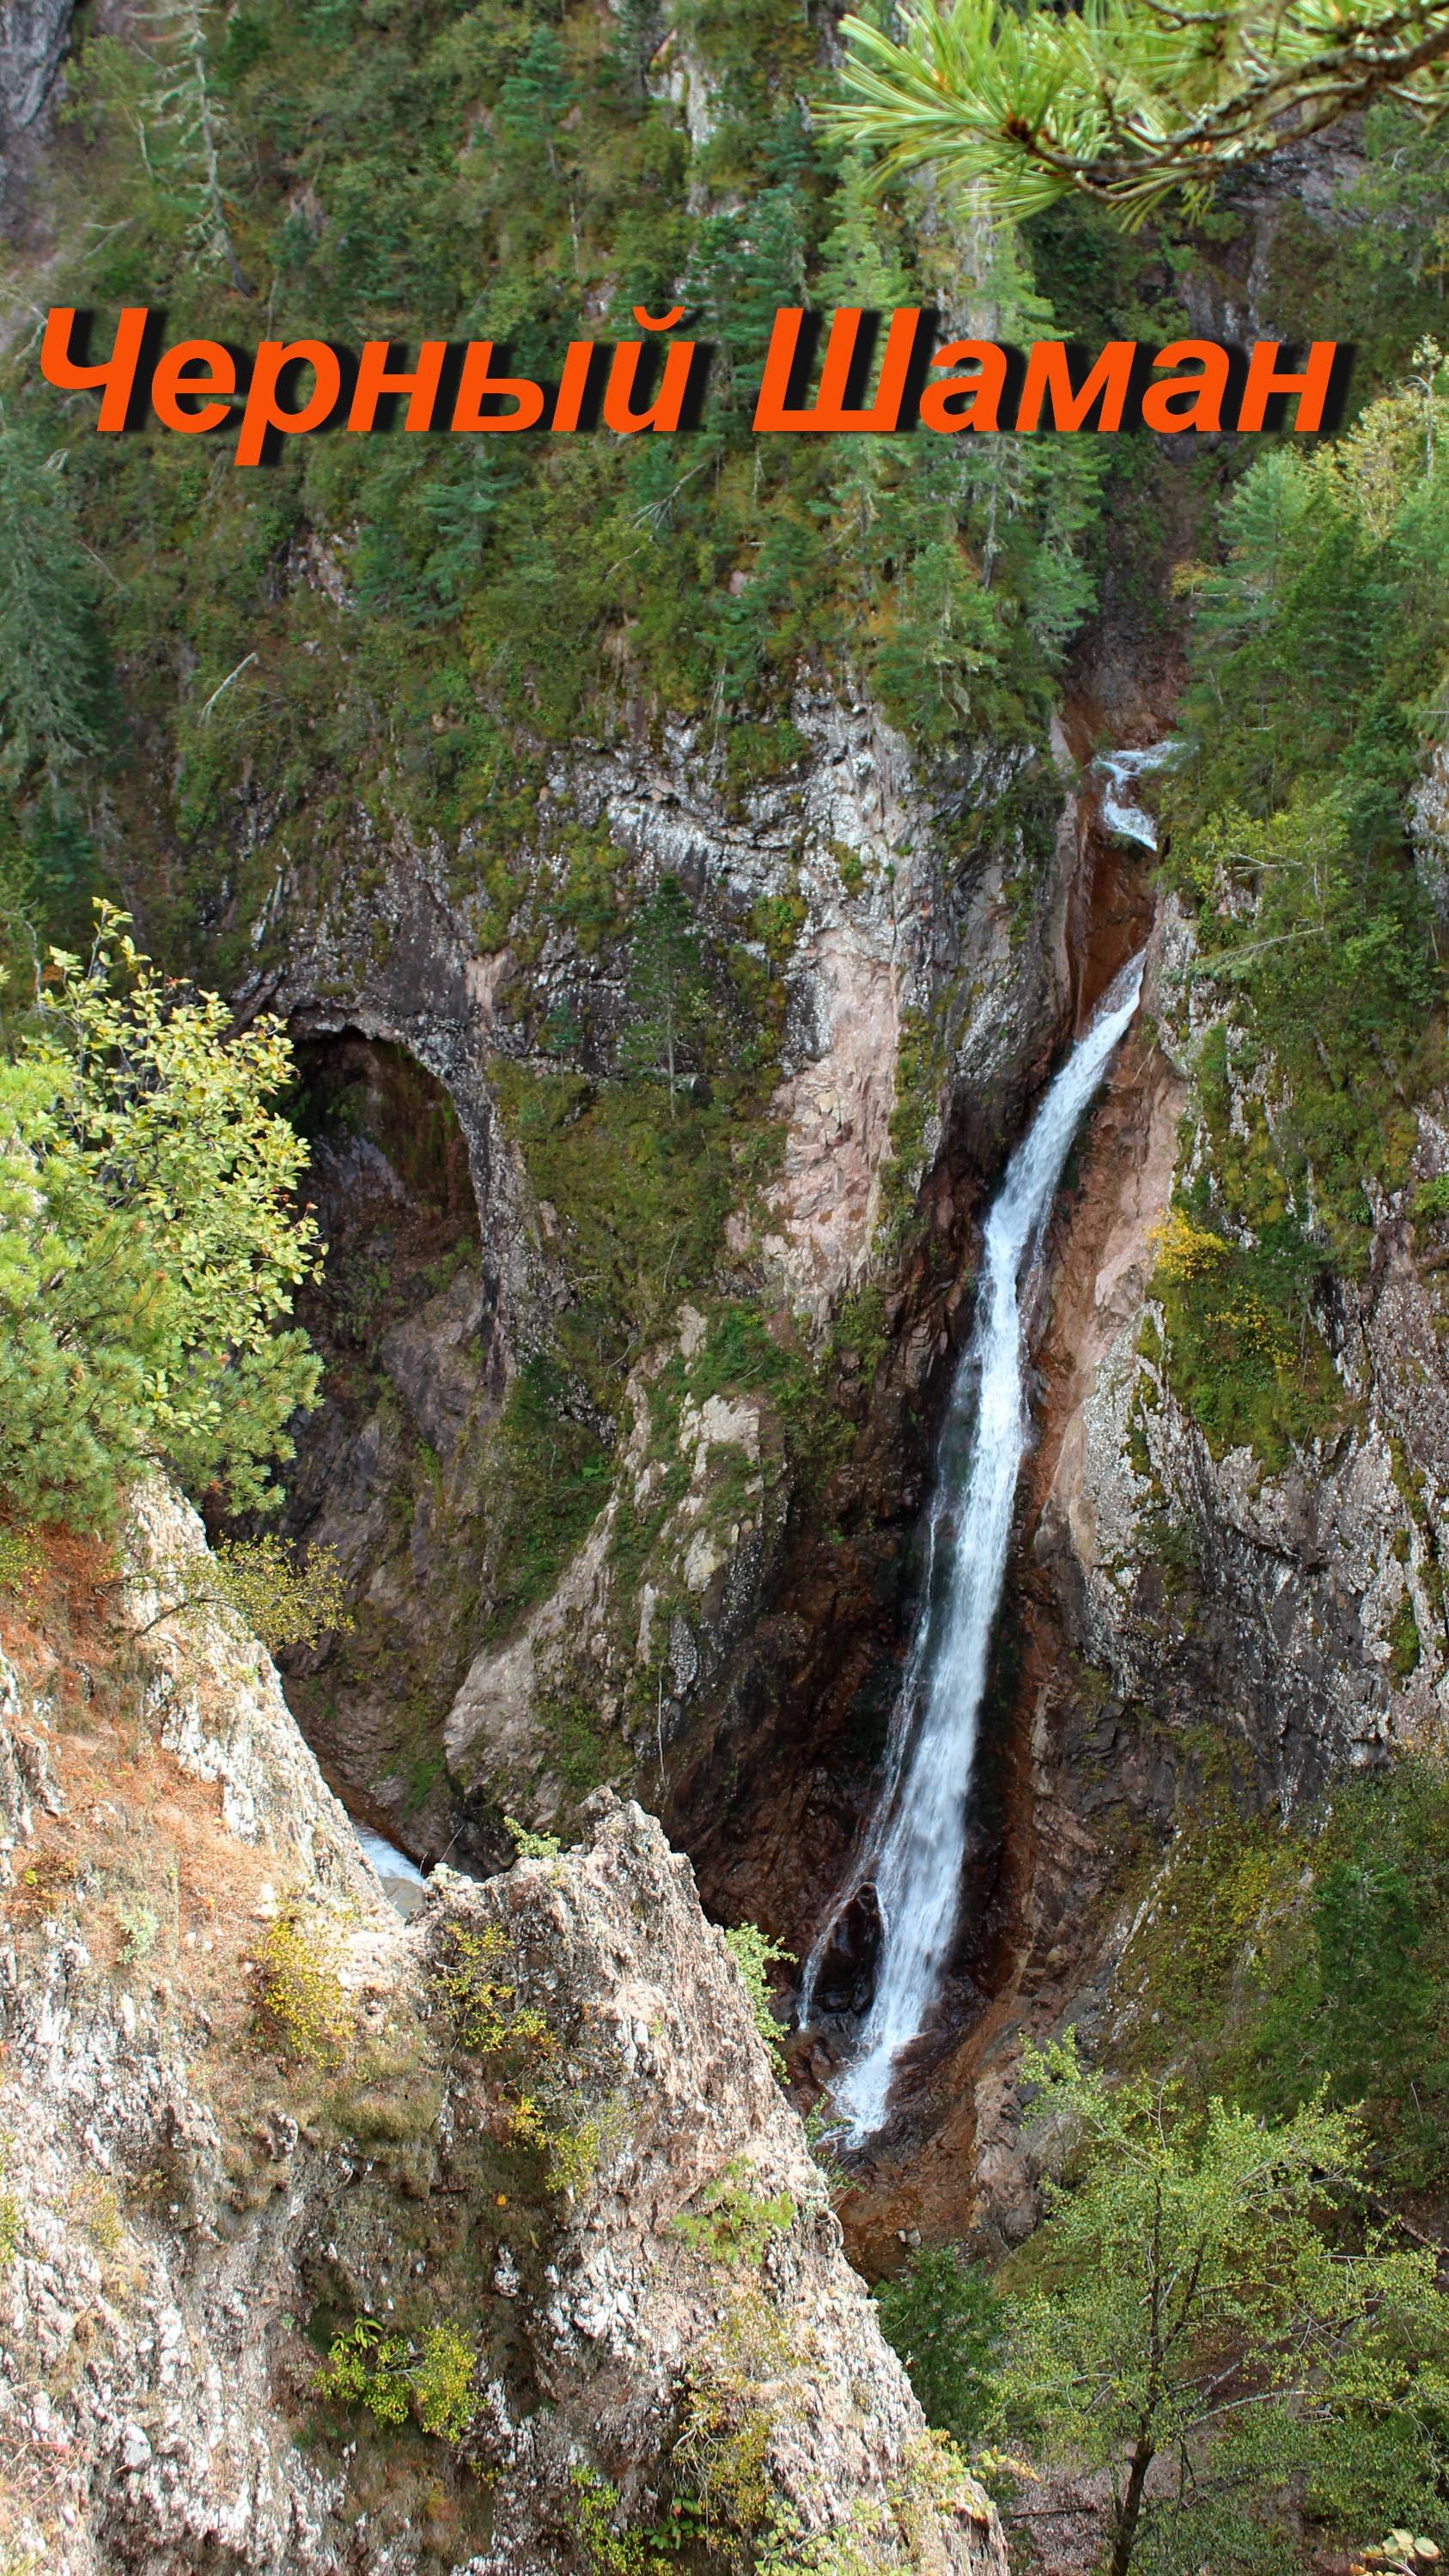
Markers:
(916, 1846)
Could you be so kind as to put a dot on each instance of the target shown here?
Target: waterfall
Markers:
(1119, 811)
(914, 1851)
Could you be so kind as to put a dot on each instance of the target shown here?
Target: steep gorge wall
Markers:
(1190, 1627)
(725, 1632)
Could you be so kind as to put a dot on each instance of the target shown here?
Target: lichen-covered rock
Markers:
(703, 1477)
(539, 2117)
(135, 2341)
(700, 2261)
(215, 1695)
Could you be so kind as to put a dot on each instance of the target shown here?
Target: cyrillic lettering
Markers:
(174, 382)
(1264, 380)
(117, 373)
(376, 378)
(572, 385)
(828, 412)
(663, 412)
(476, 385)
(1049, 378)
(966, 402)
(1201, 396)
(262, 414)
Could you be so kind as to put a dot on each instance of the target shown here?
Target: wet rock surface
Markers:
(1174, 1608)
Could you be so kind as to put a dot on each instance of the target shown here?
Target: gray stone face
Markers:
(903, 952)
(174, 2207)
(1282, 1615)
(33, 39)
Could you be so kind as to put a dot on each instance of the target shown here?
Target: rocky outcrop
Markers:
(1429, 815)
(538, 2121)
(214, 1696)
(33, 39)
(705, 1477)
(699, 2154)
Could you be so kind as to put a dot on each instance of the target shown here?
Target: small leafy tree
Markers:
(488, 2019)
(1205, 2293)
(394, 2375)
(149, 1243)
(1127, 100)
(284, 1601)
(947, 2323)
(754, 1954)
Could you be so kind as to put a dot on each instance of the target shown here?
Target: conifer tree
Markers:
(48, 652)
(185, 115)
(666, 983)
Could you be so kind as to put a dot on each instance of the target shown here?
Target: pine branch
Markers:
(1132, 99)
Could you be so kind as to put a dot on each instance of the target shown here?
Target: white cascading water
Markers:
(914, 1852)
(1123, 769)
(403, 1883)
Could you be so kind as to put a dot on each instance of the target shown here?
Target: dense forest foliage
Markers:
(520, 173)
(524, 173)
(208, 678)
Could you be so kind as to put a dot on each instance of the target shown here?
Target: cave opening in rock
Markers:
(384, 1134)
(402, 1317)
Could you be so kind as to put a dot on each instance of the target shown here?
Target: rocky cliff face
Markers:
(532, 2135)
(33, 39)
(1187, 1624)
(1280, 1613)
(912, 942)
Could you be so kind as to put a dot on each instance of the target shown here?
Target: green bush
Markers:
(282, 1600)
(754, 1955)
(302, 2006)
(22, 1558)
(488, 2019)
(1244, 1351)
(395, 2375)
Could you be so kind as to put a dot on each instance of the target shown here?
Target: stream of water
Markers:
(1120, 811)
(913, 1854)
(403, 1882)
